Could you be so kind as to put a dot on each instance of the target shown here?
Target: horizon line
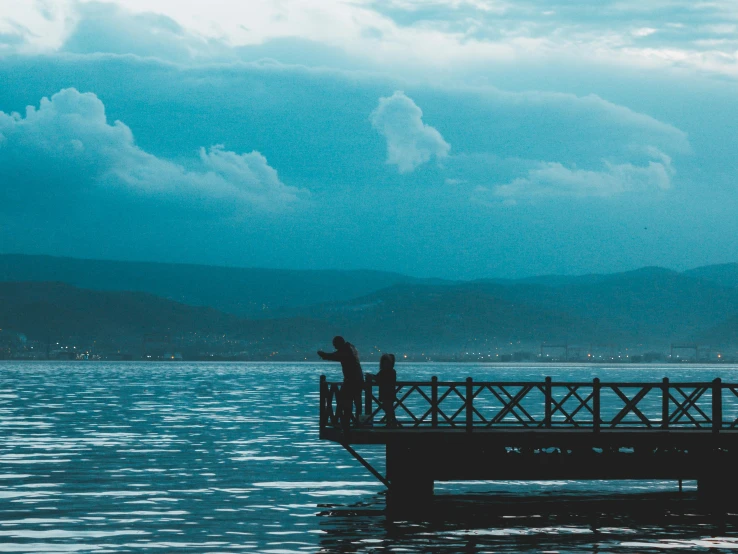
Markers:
(362, 270)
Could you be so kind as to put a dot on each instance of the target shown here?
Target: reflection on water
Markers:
(225, 457)
(640, 522)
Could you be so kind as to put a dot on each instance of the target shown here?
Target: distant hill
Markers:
(241, 291)
(42, 310)
(724, 333)
(646, 305)
(54, 312)
(649, 306)
(445, 318)
(724, 274)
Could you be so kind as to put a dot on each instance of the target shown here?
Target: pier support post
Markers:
(717, 487)
(713, 491)
(410, 474)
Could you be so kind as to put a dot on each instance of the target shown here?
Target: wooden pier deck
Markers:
(473, 430)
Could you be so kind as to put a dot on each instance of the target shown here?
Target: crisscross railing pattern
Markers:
(594, 405)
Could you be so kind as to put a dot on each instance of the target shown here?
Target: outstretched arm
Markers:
(332, 356)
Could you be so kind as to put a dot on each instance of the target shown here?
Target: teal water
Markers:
(201, 457)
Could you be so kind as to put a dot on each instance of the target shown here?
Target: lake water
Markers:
(206, 457)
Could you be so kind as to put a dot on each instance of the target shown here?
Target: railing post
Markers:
(323, 402)
(469, 406)
(665, 403)
(368, 379)
(596, 405)
(434, 401)
(548, 404)
(717, 405)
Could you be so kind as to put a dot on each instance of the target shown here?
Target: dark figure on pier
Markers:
(387, 378)
(353, 377)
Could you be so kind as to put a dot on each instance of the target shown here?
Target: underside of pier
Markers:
(416, 459)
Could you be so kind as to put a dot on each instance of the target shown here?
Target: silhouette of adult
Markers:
(387, 378)
(353, 377)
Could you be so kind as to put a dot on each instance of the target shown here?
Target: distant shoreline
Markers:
(366, 364)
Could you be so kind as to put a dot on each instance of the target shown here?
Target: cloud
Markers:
(410, 142)
(34, 26)
(108, 28)
(404, 36)
(553, 179)
(66, 148)
(280, 111)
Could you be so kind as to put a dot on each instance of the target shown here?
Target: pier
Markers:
(547, 430)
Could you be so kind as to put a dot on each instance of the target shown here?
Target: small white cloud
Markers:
(250, 174)
(643, 32)
(410, 142)
(66, 146)
(553, 179)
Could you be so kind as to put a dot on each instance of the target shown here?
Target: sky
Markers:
(436, 138)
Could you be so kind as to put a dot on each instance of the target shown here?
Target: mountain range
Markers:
(297, 311)
(247, 292)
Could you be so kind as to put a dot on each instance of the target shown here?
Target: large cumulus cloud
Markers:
(410, 142)
(66, 148)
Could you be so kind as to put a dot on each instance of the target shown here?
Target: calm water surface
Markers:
(128, 457)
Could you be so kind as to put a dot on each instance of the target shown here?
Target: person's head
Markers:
(387, 361)
(338, 342)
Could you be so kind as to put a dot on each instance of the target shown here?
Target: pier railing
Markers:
(593, 405)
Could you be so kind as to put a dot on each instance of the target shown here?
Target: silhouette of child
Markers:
(387, 378)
